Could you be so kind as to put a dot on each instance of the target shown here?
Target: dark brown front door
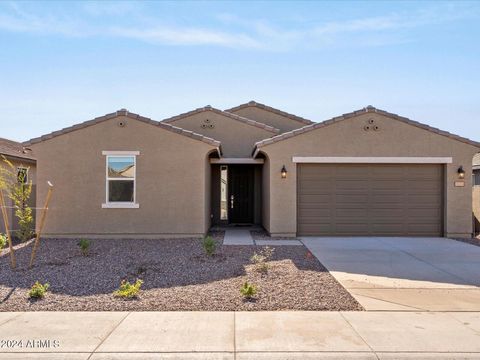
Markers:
(240, 202)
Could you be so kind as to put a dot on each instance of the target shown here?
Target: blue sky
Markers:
(64, 62)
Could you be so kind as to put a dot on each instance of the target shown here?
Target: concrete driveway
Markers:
(433, 274)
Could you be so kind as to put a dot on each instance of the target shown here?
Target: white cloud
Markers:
(230, 30)
(185, 36)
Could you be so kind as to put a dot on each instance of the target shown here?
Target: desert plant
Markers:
(84, 246)
(209, 245)
(261, 259)
(248, 290)
(3, 241)
(128, 290)
(38, 290)
(19, 191)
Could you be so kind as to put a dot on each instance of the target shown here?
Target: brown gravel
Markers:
(176, 273)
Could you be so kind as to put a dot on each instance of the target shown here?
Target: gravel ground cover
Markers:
(177, 275)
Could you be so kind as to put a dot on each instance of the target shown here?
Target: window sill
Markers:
(120, 206)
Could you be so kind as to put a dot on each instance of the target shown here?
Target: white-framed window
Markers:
(22, 175)
(120, 175)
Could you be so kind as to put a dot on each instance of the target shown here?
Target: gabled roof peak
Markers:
(224, 113)
(124, 112)
(367, 109)
(253, 103)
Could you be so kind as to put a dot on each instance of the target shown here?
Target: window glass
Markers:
(120, 191)
(476, 178)
(121, 167)
(223, 193)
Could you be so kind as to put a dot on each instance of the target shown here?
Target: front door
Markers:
(241, 182)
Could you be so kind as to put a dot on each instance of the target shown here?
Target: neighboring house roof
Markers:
(15, 149)
(272, 110)
(476, 162)
(368, 109)
(124, 112)
(224, 113)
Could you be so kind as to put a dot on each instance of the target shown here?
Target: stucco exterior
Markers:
(172, 178)
(476, 207)
(237, 137)
(178, 162)
(276, 118)
(348, 138)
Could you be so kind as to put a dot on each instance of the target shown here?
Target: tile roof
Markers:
(368, 109)
(15, 149)
(124, 112)
(224, 113)
(272, 110)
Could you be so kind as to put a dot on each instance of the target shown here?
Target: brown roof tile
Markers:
(224, 113)
(367, 109)
(15, 149)
(272, 110)
(130, 115)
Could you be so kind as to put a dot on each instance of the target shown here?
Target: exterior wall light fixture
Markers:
(461, 173)
(284, 172)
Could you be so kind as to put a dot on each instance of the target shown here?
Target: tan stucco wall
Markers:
(171, 181)
(237, 138)
(348, 138)
(476, 205)
(280, 122)
(32, 176)
(266, 194)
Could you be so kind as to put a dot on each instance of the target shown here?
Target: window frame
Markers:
(476, 177)
(120, 204)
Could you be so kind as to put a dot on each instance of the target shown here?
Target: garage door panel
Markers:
(315, 212)
(376, 199)
(352, 228)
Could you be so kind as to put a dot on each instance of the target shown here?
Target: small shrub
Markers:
(127, 290)
(209, 245)
(3, 241)
(248, 290)
(261, 259)
(38, 290)
(84, 246)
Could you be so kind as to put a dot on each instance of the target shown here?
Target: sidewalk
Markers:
(241, 335)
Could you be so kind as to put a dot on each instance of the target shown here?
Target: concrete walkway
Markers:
(399, 274)
(242, 236)
(240, 335)
(237, 236)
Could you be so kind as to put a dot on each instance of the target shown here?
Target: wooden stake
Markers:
(42, 223)
(13, 261)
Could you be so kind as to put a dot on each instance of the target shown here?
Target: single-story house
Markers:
(24, 162)
(368, 172)
(476, 192)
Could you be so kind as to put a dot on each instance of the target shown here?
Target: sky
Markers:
(62, 63)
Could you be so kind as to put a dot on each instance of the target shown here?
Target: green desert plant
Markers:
(38, 290)
(261, 259)
(209, 245)
(3, 241)
(248, 290)
(127, 290)
(84, 246)
(13, 180)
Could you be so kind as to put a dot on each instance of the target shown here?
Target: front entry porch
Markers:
(236, 194)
